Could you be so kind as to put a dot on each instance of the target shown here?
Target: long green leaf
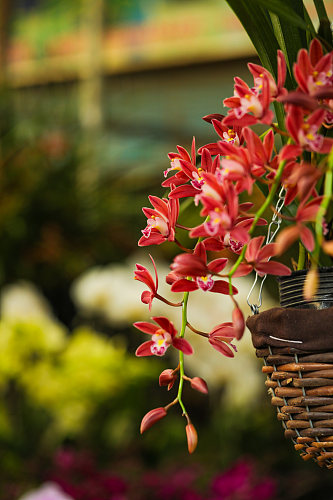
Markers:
(325, 34)
(291, 38)
(259, 29)
(321, 9)
(287, 11)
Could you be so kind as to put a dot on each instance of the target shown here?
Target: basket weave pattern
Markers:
(301, 387)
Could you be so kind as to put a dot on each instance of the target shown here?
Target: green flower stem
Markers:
(261, 210)
(181, 355)
(328, 188)
(301, 256)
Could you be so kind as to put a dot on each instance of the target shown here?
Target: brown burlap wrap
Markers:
(304, 329)
(297, 348)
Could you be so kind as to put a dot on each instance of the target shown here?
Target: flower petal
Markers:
(253, 247)
(221, 347)
(286, 238)
(243, 269)
(307, 238)
(144, 349)
(183, 345)
(147, 297)
(166, 324)
(184, 285)
(217, 265)
(223, 287)
(275, 268)
(146, 327)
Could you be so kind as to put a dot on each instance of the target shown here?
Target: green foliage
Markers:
(53, 385)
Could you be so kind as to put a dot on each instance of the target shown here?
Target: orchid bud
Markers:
(238, 322)
(151, 418)
(199, 384)
(192, 438)
(311, 284)
(168, 378)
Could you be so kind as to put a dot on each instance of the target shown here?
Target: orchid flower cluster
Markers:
(218, 177)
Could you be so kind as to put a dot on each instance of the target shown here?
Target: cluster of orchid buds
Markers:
(218, 177)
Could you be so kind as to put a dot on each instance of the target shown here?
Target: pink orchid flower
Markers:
(163, 336)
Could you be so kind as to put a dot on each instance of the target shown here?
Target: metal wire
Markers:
(273, 228)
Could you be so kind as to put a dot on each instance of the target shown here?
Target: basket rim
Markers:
(303, 272)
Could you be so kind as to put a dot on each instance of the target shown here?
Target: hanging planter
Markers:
(291, 164)
(300, 370)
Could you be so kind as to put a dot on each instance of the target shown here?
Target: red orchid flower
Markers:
(142, 274)
(195, 265)
(221, 337)
(313, 70)
(299, 179)
(230, 135)
(246, 164)
(246, 101)
(236, 166)
(258, 72)
(304, 132)
(161, 221)
(180, 177)
(220, 204)
(257, 258)
(260, 152)
(195, 176)
(306, 212)
(163, 335)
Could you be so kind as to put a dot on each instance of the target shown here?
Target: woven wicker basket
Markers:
(301, 383)
(301, 387)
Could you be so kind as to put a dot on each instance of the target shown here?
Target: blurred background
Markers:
(93, 95)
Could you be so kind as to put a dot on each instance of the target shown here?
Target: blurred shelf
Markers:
(192, 36)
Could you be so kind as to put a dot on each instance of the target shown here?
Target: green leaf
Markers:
(325, 33)
(286, 10)
(321, 10)
(291, 39)
(259, 28)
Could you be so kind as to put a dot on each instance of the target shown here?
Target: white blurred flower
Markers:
(112, 292)
(48, 491)
(23, 301)
(241, 375)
